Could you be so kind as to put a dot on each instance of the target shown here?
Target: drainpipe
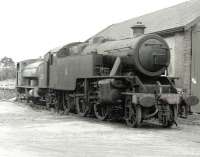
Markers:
(191, 35)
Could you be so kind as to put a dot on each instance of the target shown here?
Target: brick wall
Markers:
(176, 67)
(180, 45)
(171, 42)
(187, 61)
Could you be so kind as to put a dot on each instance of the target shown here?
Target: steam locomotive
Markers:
(124, 79)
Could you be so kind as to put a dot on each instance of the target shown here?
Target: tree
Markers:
(7, 68)
(7, 62)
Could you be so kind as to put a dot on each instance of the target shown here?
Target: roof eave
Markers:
(100, 32)
(170, 31)
(180, 28)
(192, 23)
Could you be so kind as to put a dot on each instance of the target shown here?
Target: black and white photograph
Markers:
(91, 78)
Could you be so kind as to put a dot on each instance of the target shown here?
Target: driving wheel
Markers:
(66, 104)
(133, 115)
(101, 111)
(82, 107)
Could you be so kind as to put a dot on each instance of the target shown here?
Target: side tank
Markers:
(32, 73)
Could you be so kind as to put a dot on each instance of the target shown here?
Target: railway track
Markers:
(193, 119)
(7, 95)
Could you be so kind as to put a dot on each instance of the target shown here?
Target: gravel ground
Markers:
(28, 132)
(6, 94)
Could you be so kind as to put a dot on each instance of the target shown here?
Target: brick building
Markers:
(180, 26)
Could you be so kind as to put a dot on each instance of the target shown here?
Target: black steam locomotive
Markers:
(124, 79)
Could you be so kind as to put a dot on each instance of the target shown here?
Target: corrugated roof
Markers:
(177, 16)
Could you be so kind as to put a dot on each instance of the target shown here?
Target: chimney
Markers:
(138, 29)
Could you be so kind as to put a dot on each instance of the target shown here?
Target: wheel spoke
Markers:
(82, 107)
(134, 116)
(66, 104)
(101, 111)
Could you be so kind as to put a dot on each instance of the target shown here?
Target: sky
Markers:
(30, 28)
